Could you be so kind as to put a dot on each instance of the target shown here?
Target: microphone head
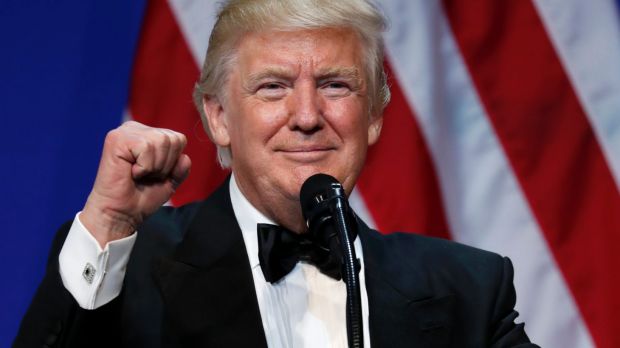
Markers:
(312, 190)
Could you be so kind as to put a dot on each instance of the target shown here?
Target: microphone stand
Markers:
(350, 272)
(325, 211)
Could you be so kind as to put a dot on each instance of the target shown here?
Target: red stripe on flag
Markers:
(161, 95)
(398, 183)
(551, 147)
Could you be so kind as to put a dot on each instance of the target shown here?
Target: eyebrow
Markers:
(268, 72)
(349, 73)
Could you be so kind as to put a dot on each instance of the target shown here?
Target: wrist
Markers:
(106, 224)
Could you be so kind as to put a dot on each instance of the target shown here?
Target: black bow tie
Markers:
(279, 250)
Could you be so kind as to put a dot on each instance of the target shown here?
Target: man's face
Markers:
(296, 104)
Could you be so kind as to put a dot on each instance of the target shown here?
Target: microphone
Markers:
(325, 208)
(319, 195)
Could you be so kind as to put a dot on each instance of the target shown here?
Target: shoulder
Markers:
(429, 249)
(477, 285)
(439, 261)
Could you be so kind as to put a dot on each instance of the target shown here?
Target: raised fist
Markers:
(140, 169)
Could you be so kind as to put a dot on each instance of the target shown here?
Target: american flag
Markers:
(503, 133)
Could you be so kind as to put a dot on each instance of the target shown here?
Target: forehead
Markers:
(319, 49)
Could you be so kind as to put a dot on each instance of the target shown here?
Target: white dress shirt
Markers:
(304, 309)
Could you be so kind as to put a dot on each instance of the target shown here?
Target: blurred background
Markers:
(503, 133)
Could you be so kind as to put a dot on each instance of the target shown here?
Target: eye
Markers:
(336, 85)
(271, 90)
(270, 86)
(336, 89)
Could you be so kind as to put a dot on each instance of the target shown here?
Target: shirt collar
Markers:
(247, 218)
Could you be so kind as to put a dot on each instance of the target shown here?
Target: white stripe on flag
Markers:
(195, 19)
(586, 35)
(485, 205)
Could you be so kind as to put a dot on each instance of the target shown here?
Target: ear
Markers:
(216, 120)
(374, 129)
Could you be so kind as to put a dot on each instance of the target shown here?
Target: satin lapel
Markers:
(404, 309)
(207, 286)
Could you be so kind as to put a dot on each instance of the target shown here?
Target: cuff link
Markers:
(89, 273)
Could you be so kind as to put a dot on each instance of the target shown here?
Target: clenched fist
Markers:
(140, 169)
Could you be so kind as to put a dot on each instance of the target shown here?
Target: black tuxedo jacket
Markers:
(189, 284)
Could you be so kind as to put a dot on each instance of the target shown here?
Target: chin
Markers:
(302, 173)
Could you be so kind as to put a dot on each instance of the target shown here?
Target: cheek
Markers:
(350, 122)
(258, 122)
(273, 118)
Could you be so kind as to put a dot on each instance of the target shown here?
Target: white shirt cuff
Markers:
(93, 276)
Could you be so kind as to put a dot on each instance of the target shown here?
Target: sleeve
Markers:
(54, 318)
(507, 333)
(94, 276)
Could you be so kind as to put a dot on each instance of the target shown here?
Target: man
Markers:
(288, 89)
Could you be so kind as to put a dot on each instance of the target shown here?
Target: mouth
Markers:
(306, 154)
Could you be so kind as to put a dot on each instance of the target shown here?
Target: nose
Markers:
(305, 109)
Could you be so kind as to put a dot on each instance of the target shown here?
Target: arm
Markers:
(139, 170)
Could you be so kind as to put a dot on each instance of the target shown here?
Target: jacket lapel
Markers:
(404, 308)
(207, 286)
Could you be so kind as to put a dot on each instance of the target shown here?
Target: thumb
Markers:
(181, 170)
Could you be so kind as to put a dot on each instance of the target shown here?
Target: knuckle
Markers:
(178, 143)
(166, 141)
(132, 124)
(162, 139)
(181, 136)
(144, 149)
(112, 137)
(149, 146)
